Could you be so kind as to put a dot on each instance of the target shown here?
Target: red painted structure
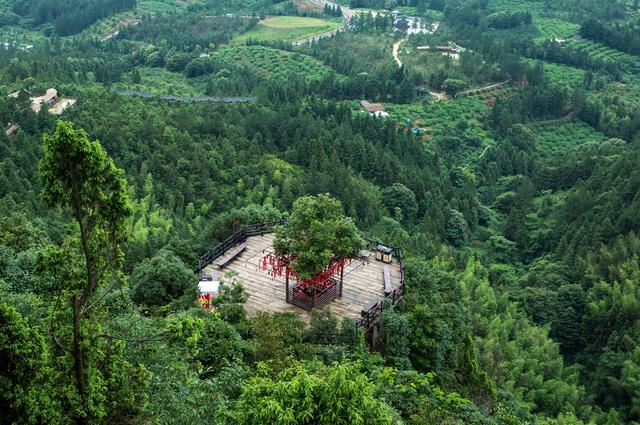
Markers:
(315, 292)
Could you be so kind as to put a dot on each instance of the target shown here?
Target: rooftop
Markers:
(374, 107)
(363, 282)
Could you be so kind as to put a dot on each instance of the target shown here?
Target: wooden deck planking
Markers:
(362, 282)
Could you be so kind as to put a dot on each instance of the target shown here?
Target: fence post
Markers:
(287, 284)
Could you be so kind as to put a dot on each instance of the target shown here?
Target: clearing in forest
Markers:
(159, 81)
(288, 29)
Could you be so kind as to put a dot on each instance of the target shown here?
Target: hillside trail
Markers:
(478, 158)
(396, 48)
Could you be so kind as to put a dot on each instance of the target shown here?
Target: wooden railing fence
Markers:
(371, 316)
(236, 238)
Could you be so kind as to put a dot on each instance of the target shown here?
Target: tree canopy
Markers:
(315, 233)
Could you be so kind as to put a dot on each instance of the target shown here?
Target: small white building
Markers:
(208, 289)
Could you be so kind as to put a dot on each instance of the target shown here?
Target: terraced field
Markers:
(288, 29)
(274, 63)
(535, 7)
(602, 52)
(107, 26)
(550, 29)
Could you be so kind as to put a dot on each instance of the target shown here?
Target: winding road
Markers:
(347, 14)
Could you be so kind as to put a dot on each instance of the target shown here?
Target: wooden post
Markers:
(374, 338)
(313, 300)
(341, 279)
(286, 272)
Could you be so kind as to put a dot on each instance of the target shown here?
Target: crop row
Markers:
(274, 63)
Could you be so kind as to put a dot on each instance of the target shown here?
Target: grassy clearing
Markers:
(274, 63)
(558, 137)
(288, 29)
(160, 81)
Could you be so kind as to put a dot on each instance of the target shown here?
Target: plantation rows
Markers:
(534, 7)
(275, 63)
(554, 137)
(438, 120)
(602, 52)
(555, 28)
(563, 75)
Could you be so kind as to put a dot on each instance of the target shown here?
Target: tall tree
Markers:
(317, 232)
(77, 175)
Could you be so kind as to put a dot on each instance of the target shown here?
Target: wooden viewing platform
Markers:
(363, 285)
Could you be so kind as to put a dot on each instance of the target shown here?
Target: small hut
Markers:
(208, 289)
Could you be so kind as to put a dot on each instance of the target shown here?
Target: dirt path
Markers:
(439, 95)
(396, 48)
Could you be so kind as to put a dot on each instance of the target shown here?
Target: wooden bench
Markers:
(229, 256)
(387, 280)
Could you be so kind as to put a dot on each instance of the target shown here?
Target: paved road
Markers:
(347, 14)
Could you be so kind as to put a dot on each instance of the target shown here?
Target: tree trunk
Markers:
(78, 358)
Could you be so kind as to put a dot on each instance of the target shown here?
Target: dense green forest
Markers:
(507, 169)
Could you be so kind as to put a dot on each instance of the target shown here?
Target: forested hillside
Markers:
(497, 143)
